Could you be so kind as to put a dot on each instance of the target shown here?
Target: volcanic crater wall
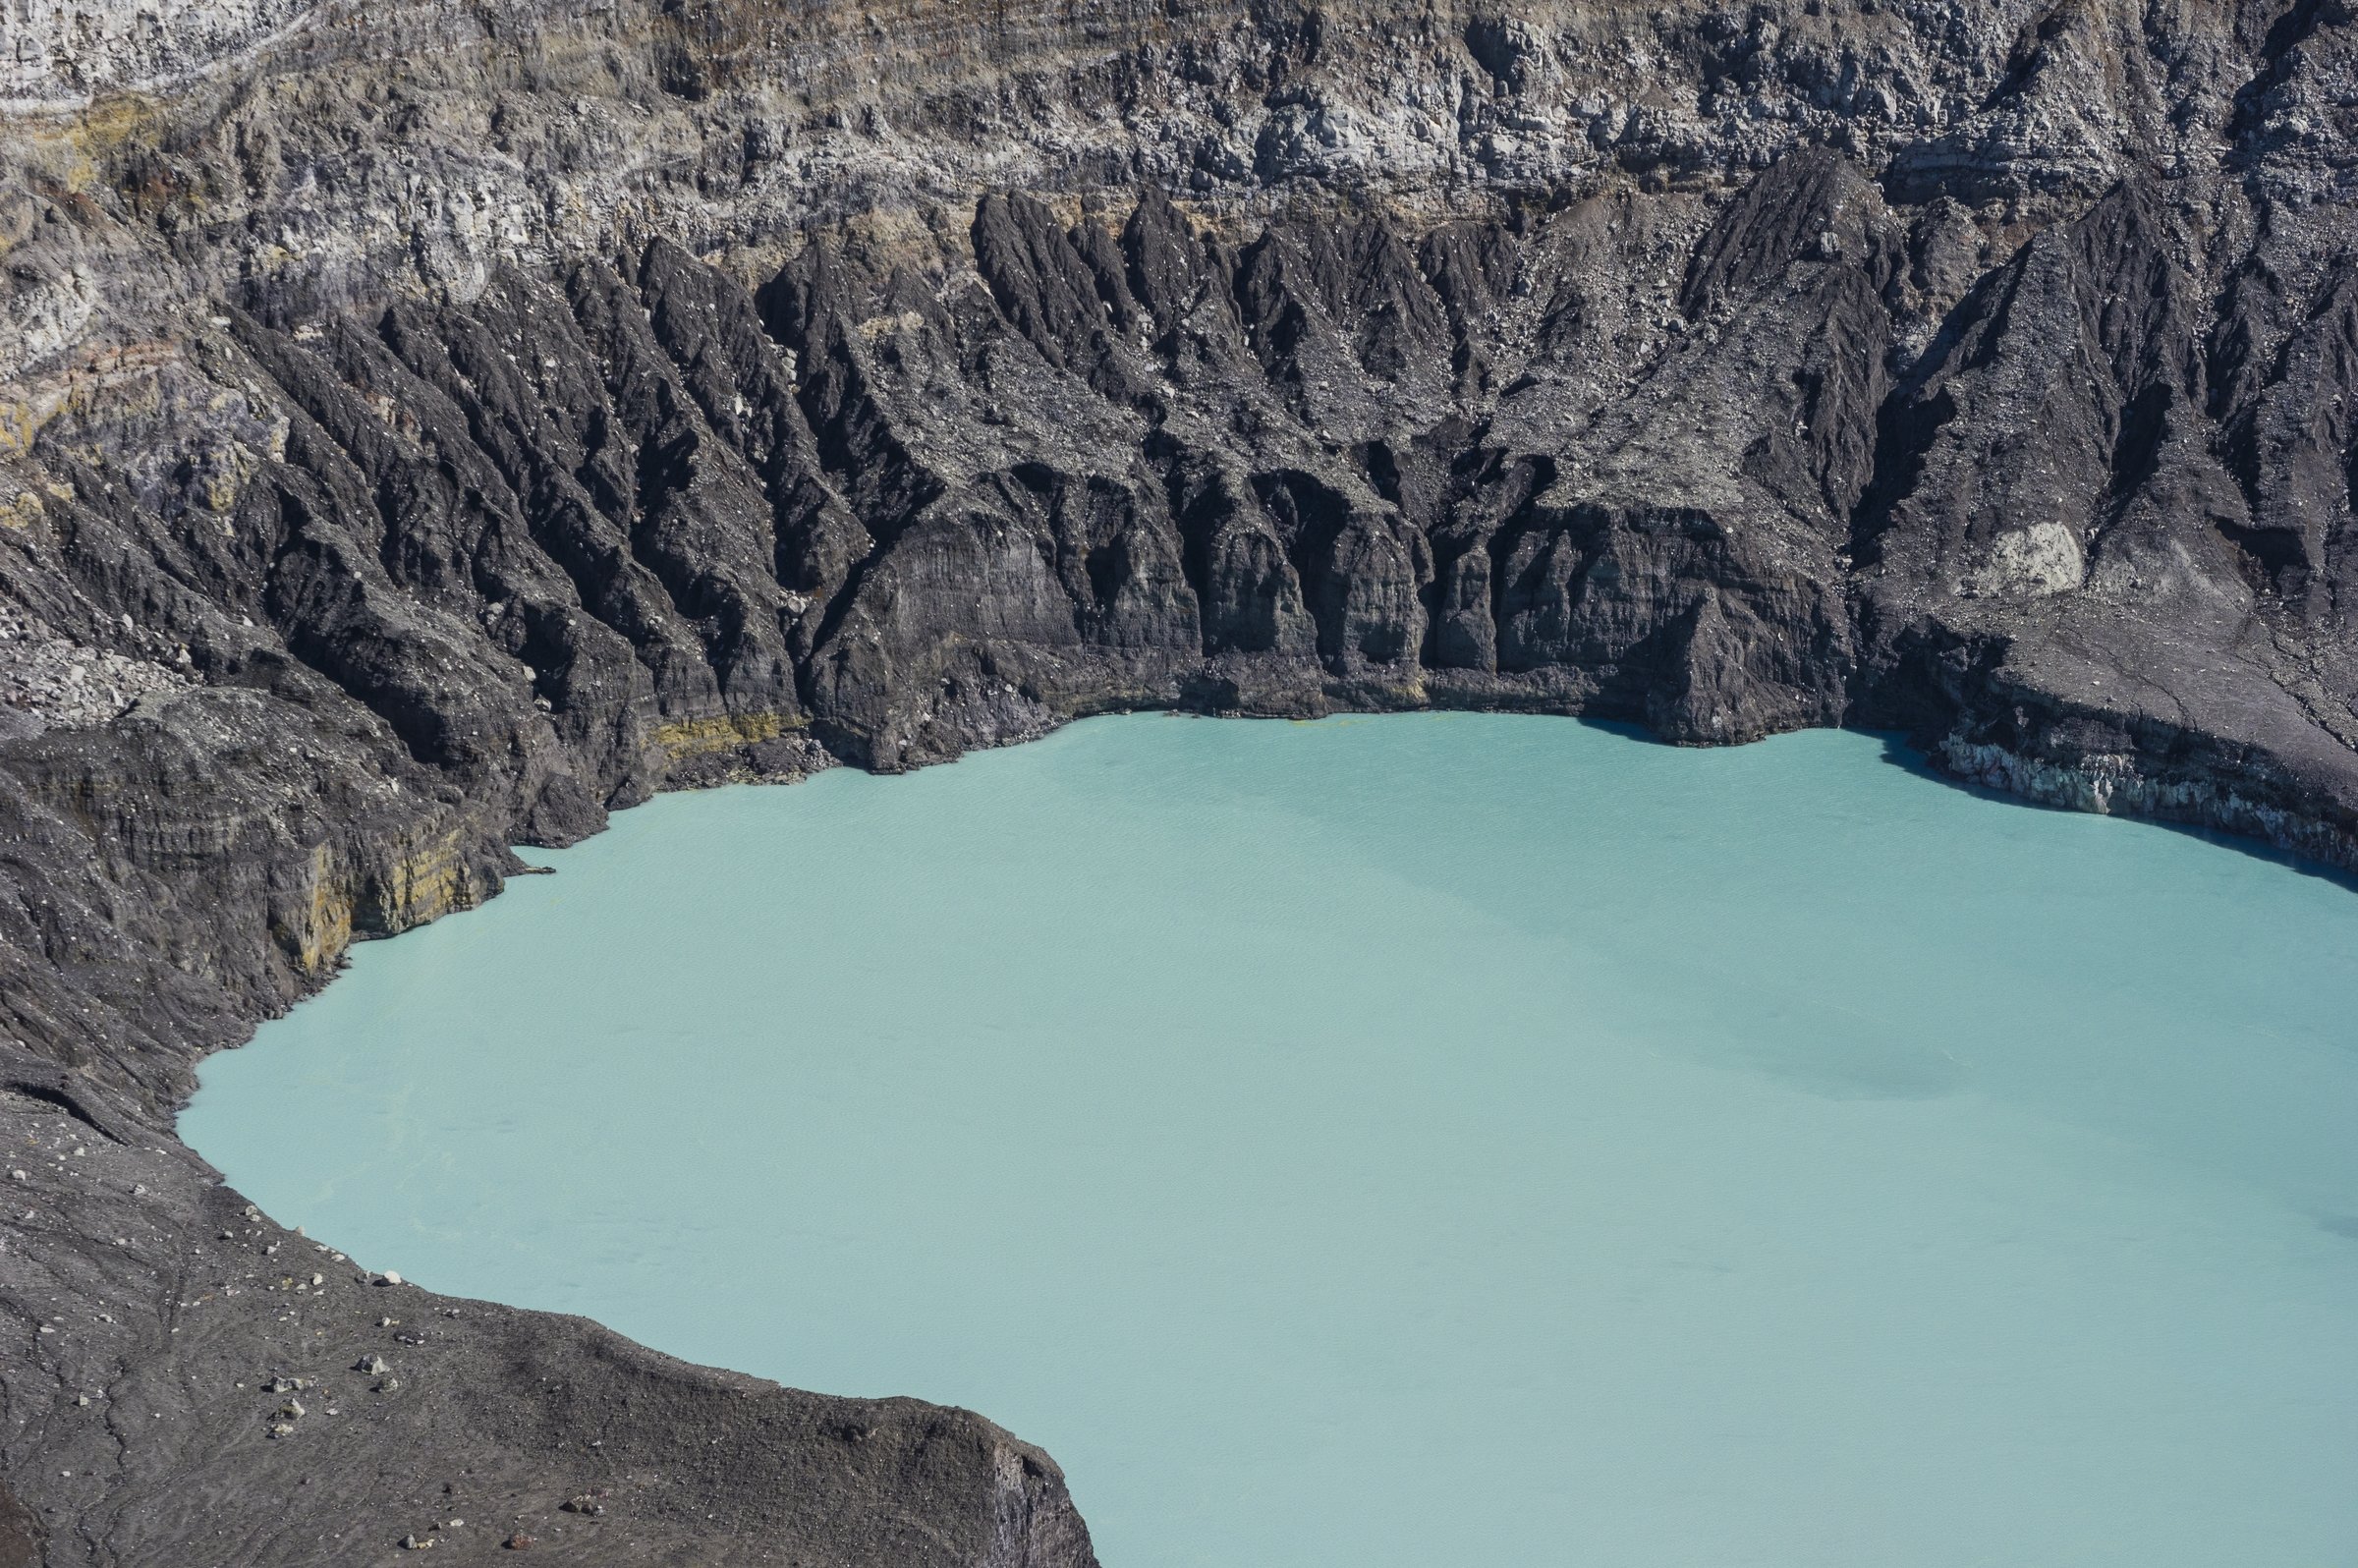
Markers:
(431, 426)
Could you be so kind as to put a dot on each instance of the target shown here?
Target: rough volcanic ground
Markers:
(426, 426)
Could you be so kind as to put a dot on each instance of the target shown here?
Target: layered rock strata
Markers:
(431, 427)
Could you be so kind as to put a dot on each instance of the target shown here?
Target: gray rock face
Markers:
(59, 55)
(431, 427)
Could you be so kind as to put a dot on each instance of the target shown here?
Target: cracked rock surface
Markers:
(429, 427)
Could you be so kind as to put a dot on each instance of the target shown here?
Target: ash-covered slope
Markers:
(432, 425)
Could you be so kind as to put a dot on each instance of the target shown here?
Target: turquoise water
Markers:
(1423, 1140)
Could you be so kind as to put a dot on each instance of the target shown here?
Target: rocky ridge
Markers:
(430, 428)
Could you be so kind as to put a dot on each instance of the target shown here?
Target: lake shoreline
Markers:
(681, 858)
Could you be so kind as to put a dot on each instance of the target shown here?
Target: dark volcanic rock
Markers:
(427, 427)
(195, 1383)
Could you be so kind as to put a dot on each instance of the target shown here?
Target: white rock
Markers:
(2030, 563)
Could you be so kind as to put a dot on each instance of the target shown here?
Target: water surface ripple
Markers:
(1429, 1139)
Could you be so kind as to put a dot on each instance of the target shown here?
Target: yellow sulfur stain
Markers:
(20, 423)
(107, 127)
(422, 884)
(221, 493)
(701, 736)
(428, 884)
(321, 932)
